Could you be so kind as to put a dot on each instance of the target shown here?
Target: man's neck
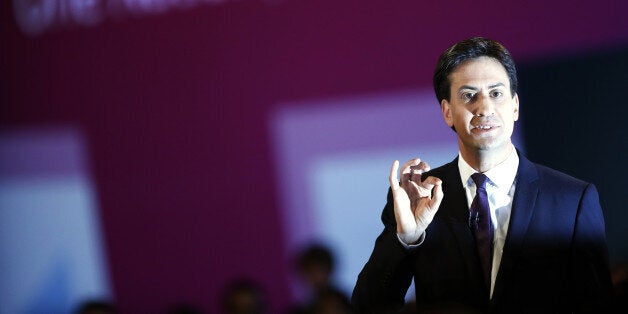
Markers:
(485, 160)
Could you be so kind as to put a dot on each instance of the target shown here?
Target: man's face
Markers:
(481, 107)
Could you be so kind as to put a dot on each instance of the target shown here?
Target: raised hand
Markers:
(416, 201)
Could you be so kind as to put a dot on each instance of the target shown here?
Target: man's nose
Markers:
(485, 106)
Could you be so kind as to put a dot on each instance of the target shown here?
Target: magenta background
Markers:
(175, 109)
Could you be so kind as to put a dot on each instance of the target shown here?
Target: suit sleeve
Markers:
(590, 274)
(383, 282)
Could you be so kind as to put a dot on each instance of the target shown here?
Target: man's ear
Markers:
(516, 107)
(447, 115)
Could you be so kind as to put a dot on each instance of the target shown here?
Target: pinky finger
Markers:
(392, 178)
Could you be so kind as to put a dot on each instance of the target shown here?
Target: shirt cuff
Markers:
(412, 246)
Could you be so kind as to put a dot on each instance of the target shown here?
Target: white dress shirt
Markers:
(500, 190)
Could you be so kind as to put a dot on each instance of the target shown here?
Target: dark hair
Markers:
(95, 306)
(316, 254)
(244, 295)
(471, 48)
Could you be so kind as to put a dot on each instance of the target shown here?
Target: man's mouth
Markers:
(485, 127)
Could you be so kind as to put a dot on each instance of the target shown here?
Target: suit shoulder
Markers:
(558, 178)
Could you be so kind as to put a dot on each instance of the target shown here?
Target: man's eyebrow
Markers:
(467, 87)
(463, 87)
(496, 85)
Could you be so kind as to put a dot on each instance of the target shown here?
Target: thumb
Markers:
(437, 197)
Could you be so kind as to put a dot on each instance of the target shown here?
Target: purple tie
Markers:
(480, 223)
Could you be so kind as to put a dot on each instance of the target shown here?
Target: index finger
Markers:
(431, 181)
(426, 186)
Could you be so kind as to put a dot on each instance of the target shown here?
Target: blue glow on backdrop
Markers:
(51, 251)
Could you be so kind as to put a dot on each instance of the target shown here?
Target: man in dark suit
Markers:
(489, 231)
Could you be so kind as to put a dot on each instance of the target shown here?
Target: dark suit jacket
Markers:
(555, 257)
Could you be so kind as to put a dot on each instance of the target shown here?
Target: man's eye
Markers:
(468, 96)
(496, 94)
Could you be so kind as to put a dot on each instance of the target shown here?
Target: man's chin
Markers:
(487, 144)
(494, 145)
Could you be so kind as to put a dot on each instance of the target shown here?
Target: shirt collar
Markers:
(501, 176)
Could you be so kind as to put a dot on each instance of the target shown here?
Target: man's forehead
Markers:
(479, 72)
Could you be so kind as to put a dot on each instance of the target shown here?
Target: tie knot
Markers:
(480, 180)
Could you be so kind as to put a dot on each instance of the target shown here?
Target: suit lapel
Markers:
(523, 202)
